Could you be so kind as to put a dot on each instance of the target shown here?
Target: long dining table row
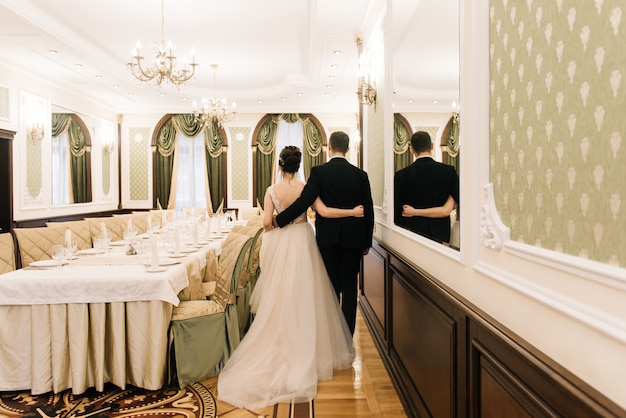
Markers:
(99, 317)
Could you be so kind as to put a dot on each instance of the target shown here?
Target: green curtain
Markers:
(312, 138)
(79, 155)
(401, 145)
(214, 164)
(166, 145)
(266, 150)
(164, 161)
(452, 142)
(60, 122)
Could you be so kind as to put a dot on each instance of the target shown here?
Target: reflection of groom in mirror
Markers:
(425, 192)
(342, 241)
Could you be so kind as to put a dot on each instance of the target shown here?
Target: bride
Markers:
(299, 334)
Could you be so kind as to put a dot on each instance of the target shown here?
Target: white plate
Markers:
(47, 263)
(165, 262)
(177, 255)
(184, 250)
(156, 270)
(88, 251)
(118, 243)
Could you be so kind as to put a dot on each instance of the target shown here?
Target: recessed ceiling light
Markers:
(299, 93)
(260, 101)
(131, 94)
(337, 52)
(98, 76)
(331, 76)
(162, 94)
(184, 98)
(435, 101)
(334, 66)
(78, 65)
(327, 94)
(283, 98)
(410, 100)
(53, 51)
(329, 86)
(116, 86)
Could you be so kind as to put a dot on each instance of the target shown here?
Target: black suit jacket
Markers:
(340, 185)
(424, 184)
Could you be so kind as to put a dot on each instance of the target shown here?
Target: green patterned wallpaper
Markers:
(106, 173)
(139, 154)
(556, 124)
(4, 103)
(34, 172)
(375, 151)
(240, 149)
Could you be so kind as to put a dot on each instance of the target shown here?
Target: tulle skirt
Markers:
(298, 335)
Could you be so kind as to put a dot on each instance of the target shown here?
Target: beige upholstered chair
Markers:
(7, 253)
(111, 224)
(255, 221)
(199, 213)
(204, 333)
(249, 276)
(159, 214)
(249, 213)
(81, 232)
(36, 243)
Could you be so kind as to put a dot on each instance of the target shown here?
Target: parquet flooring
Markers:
(365, 390)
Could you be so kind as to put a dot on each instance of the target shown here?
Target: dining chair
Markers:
(81, 231)
(249, 276)
(204, 333)
(7, 253)
(112, 226)
(36, 244)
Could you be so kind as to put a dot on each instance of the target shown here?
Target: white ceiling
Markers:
(277, 51)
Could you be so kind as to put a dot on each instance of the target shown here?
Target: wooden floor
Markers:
(364, 390)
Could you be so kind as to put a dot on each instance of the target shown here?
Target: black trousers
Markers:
(343, 265)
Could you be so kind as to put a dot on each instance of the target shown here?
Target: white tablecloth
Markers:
(101, 319)
(92, 284)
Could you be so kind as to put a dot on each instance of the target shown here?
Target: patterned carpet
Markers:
(195, 401)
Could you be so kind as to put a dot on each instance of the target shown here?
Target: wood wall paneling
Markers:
(448, 359)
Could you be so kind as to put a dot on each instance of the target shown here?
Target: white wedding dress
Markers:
(299, 334)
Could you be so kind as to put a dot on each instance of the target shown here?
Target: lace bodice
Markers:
(279, 206)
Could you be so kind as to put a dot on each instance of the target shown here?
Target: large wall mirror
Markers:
(71, 156)
(426, 74)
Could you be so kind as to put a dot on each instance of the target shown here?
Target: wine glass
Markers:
(58, 252)
(70, 249)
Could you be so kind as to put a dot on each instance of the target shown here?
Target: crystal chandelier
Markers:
(214, 109)
(164, 66)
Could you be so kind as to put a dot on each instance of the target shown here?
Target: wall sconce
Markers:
(366, 91)
(37, 132)
(108, 146)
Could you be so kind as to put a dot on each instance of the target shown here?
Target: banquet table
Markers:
(102, 318)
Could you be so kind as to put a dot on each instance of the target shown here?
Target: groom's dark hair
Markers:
(339, 141)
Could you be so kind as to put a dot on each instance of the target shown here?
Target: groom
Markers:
(342, 241)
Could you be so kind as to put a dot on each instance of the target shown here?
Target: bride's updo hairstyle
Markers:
(290, 158)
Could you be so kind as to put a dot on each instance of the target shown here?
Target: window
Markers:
(289, 134)
(191, 175)
(60, 170)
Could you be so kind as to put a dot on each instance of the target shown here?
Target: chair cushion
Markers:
(208, 288)
(231, 249)
(81, 232)
(112, 225)
(7, 253)
(36, 243)
(195, 308)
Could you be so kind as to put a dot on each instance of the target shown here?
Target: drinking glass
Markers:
(58, 252)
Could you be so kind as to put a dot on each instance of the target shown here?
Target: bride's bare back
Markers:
(286, 191)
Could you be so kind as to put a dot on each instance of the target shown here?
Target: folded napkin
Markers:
(68, 237)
